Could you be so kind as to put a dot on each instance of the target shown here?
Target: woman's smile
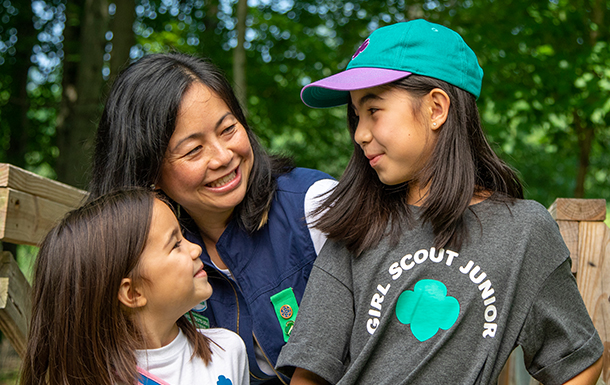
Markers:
(226, 182)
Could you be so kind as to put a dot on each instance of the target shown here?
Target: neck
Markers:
(158, 331)
(212, 225)
(416, 195)
(211, 228)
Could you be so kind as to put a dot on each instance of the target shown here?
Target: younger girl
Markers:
(436, 268)
(112, 284)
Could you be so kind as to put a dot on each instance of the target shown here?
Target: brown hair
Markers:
(79, 332)
(461, 166)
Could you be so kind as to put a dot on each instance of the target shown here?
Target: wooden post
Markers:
(15, 304)
(588, 238)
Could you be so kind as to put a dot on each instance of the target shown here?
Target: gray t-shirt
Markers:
(411, 314)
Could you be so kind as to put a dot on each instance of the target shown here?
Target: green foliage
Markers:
(546, 84)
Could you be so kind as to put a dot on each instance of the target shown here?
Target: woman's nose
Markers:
(220, 157)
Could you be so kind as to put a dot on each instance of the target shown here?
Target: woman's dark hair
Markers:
(462, 165)
(79, 331)
(140, 117)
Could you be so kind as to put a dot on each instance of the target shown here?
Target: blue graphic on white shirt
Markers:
(222, 380)
(427, 309)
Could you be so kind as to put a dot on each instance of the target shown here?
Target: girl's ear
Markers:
(439, 107)
(129, 295)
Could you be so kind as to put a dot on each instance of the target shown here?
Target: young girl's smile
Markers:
(391, 133)
(172, 272)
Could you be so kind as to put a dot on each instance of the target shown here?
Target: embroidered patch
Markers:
(286, 308)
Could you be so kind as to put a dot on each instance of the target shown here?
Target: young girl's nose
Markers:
(195, 249)
(362, 135)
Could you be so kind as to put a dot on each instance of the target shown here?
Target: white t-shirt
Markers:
(173, 364)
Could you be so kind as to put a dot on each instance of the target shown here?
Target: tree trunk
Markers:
(586, 131)
(239, 54)
(585, 136)
(123, 36)
(82, 86)
(15, 118)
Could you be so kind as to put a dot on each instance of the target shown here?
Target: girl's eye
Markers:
(177, 245)
(372, 110)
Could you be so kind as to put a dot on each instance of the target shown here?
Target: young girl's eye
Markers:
(372, 110)
(177, 244)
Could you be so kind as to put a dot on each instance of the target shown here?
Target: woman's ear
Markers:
(439, 103)
(129, 295)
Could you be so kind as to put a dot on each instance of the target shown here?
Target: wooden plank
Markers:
(569, 232)
(593, 280)
(572, 209)
(15, 303)
(25, 218)
(22, 180)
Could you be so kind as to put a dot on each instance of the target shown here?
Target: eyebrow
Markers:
(198, 134)
(366, 98)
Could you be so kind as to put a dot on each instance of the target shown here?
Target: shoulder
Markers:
(527, 214)
(524, 225)
(299, 180)
(226, 339)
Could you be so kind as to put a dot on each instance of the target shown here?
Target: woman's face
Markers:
(209, 157)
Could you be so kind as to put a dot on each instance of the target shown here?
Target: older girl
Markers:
(437, 267)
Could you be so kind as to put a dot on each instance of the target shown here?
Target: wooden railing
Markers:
(30, 205)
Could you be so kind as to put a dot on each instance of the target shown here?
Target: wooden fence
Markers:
(30, 205)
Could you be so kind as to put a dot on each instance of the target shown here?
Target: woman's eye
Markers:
(193, 151)
(177, 245)
(229, 129)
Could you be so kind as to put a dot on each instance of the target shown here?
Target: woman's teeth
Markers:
(222, 181)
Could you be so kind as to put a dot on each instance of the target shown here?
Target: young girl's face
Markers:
(395, 141)
(173, 277)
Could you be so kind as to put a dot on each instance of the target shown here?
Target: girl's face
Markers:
(395, 140)
(209, 157)
(173, 277)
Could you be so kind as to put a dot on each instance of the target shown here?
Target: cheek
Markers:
(178, 177)
(243, 145)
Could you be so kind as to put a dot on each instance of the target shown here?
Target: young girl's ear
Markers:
(439, 107)
(129, 295)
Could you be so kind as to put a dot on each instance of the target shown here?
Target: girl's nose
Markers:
(362, 135)
(195, 249)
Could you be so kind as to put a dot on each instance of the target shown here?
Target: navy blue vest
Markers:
(278, 256)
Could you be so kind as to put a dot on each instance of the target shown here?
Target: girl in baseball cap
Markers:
(435, 267)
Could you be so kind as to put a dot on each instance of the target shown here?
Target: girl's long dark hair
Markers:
(139, 119)
(462, 165)
(79, 331)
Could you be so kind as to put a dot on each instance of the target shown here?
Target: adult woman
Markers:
(171, 121)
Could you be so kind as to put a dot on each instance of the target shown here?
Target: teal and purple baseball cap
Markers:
(396, 51)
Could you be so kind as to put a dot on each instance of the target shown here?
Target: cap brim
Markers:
(334, 90)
